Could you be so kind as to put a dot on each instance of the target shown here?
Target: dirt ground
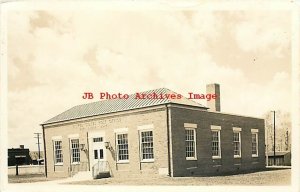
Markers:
(31, 178)
(269, 177)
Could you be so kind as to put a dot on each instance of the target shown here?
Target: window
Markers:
(58, 156)
(254, 144)
(75, 152)
(216, 144)
(122, 147)
(98, 154)
(190, 143)
(237, 144)
(147, 145)
(98, 139)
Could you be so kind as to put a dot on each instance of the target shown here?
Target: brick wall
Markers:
(157, 116)
(107, 124)
(204, 163)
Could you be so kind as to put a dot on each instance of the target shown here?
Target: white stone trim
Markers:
(120, 130)
(143, 127)
(254, 131)
(56, 137)
(237, 129)
(190, 125)
(97, 134)
(215, 127)
(73, 136)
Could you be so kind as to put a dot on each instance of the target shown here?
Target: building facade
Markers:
(171, 137)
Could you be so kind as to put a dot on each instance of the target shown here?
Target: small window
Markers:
(101, 154)
(58, 156)
(254, 144)
(190, 143)
(146, 145)
(98, 139)
(237, 144)
(95, 154)
(75, 150)
(216, 144)
(122, 147)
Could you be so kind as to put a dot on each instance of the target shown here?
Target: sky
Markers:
(54, 56)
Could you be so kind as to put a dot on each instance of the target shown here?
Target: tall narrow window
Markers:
(190, 143)
(122, 147)
(254, 144)
(146, 145)
(216, 143)
(58, 155)
(75, 152)
(237, 144)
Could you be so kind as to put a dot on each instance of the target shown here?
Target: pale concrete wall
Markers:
(107, 123)
(27, 169)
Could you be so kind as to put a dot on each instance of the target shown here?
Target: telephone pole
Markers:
(38, 143)
(274, 138)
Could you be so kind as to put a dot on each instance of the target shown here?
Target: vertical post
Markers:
(274, 139)
(45, 156)
(38, 143)
(17, 169)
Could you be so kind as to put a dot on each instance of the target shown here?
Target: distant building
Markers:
(18, 156)
(142, 137)
(282, 158)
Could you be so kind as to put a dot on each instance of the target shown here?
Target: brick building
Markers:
(136, 137)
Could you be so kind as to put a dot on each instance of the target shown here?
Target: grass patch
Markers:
(28, 178)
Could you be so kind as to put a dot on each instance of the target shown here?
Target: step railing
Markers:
(100, 167)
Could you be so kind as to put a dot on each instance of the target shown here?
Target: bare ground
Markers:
(269, 177)
(30, 178)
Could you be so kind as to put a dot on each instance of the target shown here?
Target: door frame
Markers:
(92, 146)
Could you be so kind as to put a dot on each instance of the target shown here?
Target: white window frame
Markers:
(54, 152)
(191, 126)
(215, 128)
(239, 142)
(117, 147)
(72, 153)
(142, 130)
(254, 131)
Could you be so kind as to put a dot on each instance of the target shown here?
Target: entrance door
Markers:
(97, 150)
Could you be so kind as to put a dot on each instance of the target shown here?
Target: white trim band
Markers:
(236, 129)
(215, 127)
(73, 136)
(190, 125)
(254, 130)
(120, 130)
(142, 127)
(56, 138)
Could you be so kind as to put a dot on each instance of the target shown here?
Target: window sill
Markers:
(75, 163)
(254, 155)
(58, 164)
(237, 156)
(122, 162)
(216, 157)
(147, 161)
(191, 158)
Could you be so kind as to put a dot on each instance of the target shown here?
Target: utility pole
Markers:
(38, 143)
(274, 138)
(287, 141)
